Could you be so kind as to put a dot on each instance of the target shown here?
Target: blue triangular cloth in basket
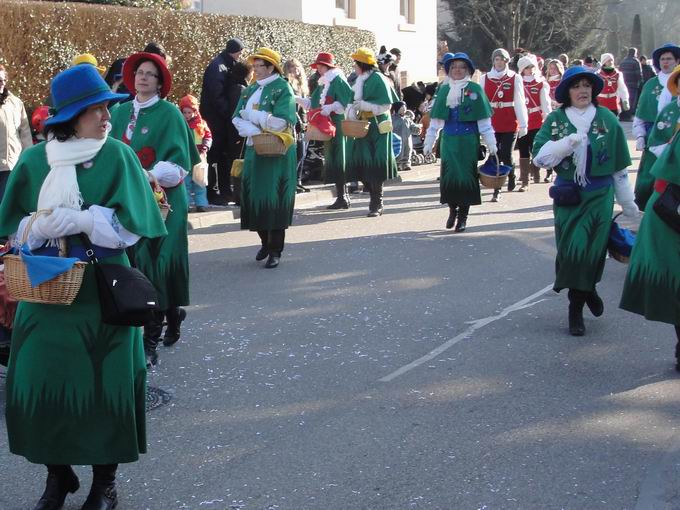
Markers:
(41, 269)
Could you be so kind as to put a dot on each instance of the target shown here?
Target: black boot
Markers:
(60, 481)
(102, 494)
(273, 260)
(463, 211)
(152, 336)
(677, 349)
(496, 195)
(342, 198)
(577, 299)
(511, 180)
(595, 304)
(175, 316)
(375, 207)
(453, 212)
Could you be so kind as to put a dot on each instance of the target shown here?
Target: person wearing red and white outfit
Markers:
(537, 94)
(505, 91)
(614, 95)
(555, 71)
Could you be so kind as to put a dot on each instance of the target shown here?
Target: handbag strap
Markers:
(89, 249)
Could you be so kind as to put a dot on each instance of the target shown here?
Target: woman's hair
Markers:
(567, 100)
(64, 130)
(241, 70)
(299, 83)
(364, 67)
(158, 71)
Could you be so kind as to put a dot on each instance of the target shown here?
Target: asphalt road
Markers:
(391, 364)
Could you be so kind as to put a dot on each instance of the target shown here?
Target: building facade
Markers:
(410, 25)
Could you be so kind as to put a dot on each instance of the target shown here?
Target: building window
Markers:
(348, 7)
(407, 10)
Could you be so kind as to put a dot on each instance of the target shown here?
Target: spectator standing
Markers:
(196, 192)
(648, 71)
(394, 71)
(15, 132)
(631, 69)
(216, 111)
(404, 126)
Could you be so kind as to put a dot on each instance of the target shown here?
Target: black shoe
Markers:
(175, 318)
(451, 219)
(375, 212)
(261, 254)
(151, 356)
(272, 261)
(496, 195)
(460, 227)
(200, 208)
(340, 203)
(595, 304)
(576, 324)
(61, 480)
(219, 201)
(103, 495)
(511, 181)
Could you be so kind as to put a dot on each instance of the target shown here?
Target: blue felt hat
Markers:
(656, 56)
(75, 89)
(458, 56)
(576, 73)
(446, 57)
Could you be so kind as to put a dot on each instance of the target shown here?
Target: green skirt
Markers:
(334, 152)
(75, 387)
(459, 182)
(644, 183)
(371, 159)
(268, 190)
(165, 260)
(582, 234)
(652, 286)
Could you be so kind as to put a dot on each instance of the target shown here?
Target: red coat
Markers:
(609, 97)
(501, 94)
(532, 93)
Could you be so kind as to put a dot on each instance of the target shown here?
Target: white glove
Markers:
(168, 174)
(245, 114)
(352, 111)
(625, 105)
(305, 102)
(245, 128)
(640, 143)
(63, 222)
(522, 132)
(259, 118)
(630, 210)
(491, 145)
(428, 145)
(326, 110)
(623, 192)
(576, 138)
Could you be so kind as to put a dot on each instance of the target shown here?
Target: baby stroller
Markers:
(312, 163)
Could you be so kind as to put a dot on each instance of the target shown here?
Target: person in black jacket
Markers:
(241, 75)
(632, 75)
(216, 109)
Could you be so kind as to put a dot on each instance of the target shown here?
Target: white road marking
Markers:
(474, 326)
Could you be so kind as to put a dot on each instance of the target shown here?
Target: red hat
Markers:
(326, 59)
(188, 101)
(38, 118)
(133, 61)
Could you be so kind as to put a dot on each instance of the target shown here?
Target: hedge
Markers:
(40, 39)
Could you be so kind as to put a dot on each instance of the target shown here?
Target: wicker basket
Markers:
(493, 181)
(355, 128)
(61, 290)
(313, 133)
(267, 144)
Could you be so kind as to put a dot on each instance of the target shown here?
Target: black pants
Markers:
(505, 144)
(525, 144)
(272, 240)
(219, 169)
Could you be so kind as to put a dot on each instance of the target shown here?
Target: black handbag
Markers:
(126, 296)
(565, 194)
(667, 206)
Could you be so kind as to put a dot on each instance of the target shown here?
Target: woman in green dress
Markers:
(652, 286)
(75, 386)
(332, 95)
(664, 129)
(370, 159)
(462, 110)
(158, 133)
(267, 182)
(585, 144)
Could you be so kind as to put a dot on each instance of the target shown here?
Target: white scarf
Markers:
(663, 78)
(581, 119)
(60, 187)
(136, 106)
(454, 97)
(497, 75)
(255, 98)
(326, 80)
(358, 87)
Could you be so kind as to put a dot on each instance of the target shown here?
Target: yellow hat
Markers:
(672, 84)
(364, 55)
(267, 55)
(87, 58)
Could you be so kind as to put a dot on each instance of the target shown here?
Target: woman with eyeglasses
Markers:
(463, 112)
(157, 132)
